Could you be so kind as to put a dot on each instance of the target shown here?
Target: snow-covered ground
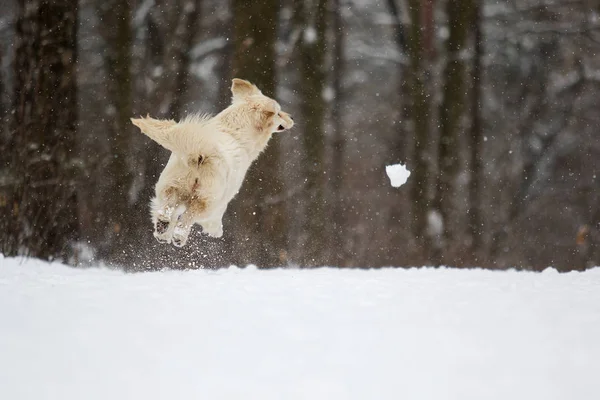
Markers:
(297, 334)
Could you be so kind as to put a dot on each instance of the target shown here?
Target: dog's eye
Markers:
(200, 160)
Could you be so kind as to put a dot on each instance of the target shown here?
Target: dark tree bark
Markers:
(337, 167)
(311, 16)
(153, 157)
(427, 21)
(399, 34)
(475, 222)
(400, 149)
(5, 154)
(2, 111)
(190, 15)
(225, 67)
(262, 233)
(451, 112)
(40, 211)
(419, 113)
(118, 63)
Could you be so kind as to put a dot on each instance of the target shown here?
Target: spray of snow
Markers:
(398, 174)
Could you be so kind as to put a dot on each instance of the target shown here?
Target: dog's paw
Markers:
(161, 231)
(161, 227)
(179, 241)
(180, 236)
(162, 238)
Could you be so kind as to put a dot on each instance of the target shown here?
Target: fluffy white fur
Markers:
(209, 160)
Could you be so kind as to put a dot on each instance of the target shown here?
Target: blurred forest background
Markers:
(494, 105)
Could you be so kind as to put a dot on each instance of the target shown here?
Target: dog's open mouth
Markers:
(280, 128)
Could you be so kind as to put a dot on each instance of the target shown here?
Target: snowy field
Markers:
(297, 334)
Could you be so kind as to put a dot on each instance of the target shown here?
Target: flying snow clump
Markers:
(398, 174)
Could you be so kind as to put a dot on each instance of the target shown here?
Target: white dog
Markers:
(209, 159)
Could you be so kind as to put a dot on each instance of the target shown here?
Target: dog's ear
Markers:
(241, 88)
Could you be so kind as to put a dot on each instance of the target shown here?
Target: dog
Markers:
(209, 160)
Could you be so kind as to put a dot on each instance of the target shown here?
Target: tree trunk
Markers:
(226, 66)
(419, 112)
(451, 112)
(117, 15)
(2, 112)
(262, 225)
(399, 34)
(400, 151)
(311, 18)
(476, 139)
(40, 214)
(189, 12)
(5, 154)
(337, 168)
(427, 21)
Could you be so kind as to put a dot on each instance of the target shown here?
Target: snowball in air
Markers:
(398, 174)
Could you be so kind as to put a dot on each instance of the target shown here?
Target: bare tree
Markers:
(451, 114)
(262, 237)
(41, 202)
(337, 168)
(5, 154)
(118, 40)
(311, 16)
(189, 16)
(419, 112)
(2, 105)
(475, 222)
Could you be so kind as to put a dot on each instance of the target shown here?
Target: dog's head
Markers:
(266, 112)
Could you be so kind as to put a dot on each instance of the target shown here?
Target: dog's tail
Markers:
(161, 131)
(182, 137)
